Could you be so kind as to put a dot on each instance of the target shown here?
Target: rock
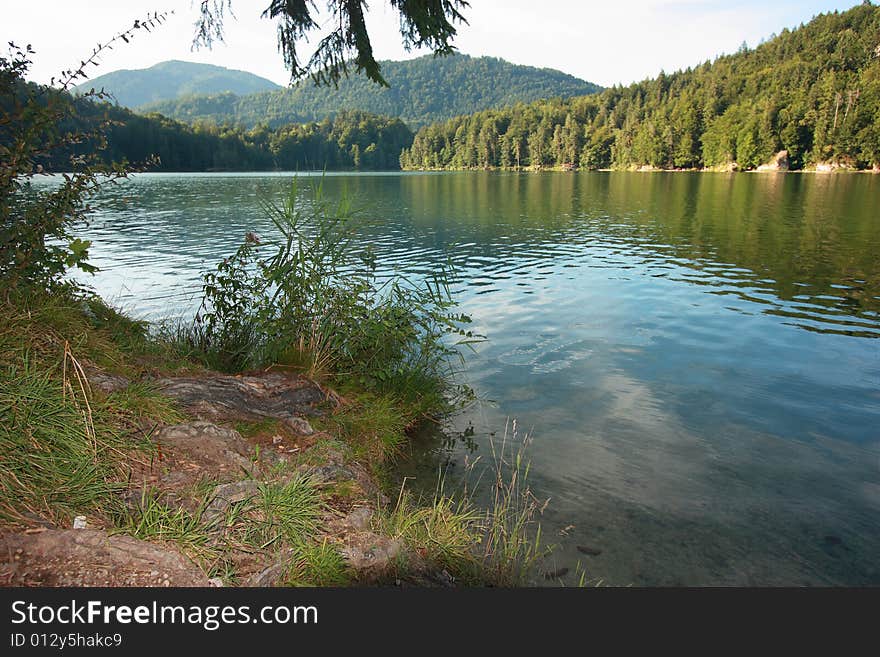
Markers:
(216, 582)
(727, 167)
(299, 425)
(202, 447)
(106, 382)
(831, 167)
(327, 473)
(226, 494)
(778, 162)
(358, 519)
(271, 576)
(556, 574)
(372, 555)
(223, 397)
(237, 491)
(80, 522)
(89, 557)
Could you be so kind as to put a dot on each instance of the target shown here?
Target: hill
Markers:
(422, 90)
(813, 92)
(174, 79)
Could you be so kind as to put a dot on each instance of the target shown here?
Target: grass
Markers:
(68, 450)
(142, 401)
(154, 521)
(374, 425)
(61, 456)
(444, 532)
(281, 514)
(318, 564)
(498, 543)
(510, 549)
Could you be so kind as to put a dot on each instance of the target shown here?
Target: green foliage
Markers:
(813, 91)
(318, 564)
(310, 297)
(43, 129)
(37, 246)
(422, 91)
(350, 140)
(173, 79)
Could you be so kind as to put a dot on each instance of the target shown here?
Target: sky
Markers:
(607, 42)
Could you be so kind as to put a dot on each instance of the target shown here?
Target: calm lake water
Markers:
(696, 356)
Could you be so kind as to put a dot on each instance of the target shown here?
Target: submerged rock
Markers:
(556, 574)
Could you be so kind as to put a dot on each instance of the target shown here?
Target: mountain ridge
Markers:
(422, 90)
(175, 78)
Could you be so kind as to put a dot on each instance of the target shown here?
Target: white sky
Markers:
(618, 41)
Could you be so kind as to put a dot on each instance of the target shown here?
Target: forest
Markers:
(813, 91)
(349, 140)
(422, 91)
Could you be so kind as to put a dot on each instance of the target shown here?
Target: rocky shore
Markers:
(206, 470)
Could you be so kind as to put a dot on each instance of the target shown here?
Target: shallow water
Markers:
(695, 355)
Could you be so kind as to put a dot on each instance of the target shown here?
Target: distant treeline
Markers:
(350, 140)
(813, 91)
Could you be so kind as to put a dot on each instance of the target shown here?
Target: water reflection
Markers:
(694, 353)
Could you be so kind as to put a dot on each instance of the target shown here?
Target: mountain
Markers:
(421, 91)
(172, 79)
(813, 92)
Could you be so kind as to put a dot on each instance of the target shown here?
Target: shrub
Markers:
(41, 131)
(309, 299)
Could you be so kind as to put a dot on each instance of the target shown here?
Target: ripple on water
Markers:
(699, 372)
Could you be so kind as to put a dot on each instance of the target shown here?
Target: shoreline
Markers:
(644, 170)
(199, 478)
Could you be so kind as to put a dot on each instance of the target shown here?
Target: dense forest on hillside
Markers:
(422, 90)
(813, 91)
(174, 79)
(350, 140)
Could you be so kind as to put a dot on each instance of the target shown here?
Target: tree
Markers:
(423, 23)
(40, 126)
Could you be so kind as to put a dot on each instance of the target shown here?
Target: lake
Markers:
(695, 356)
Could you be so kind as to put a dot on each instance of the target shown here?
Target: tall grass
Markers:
(511, 543)
(65, 449)
(494, 539)
(56, 459)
